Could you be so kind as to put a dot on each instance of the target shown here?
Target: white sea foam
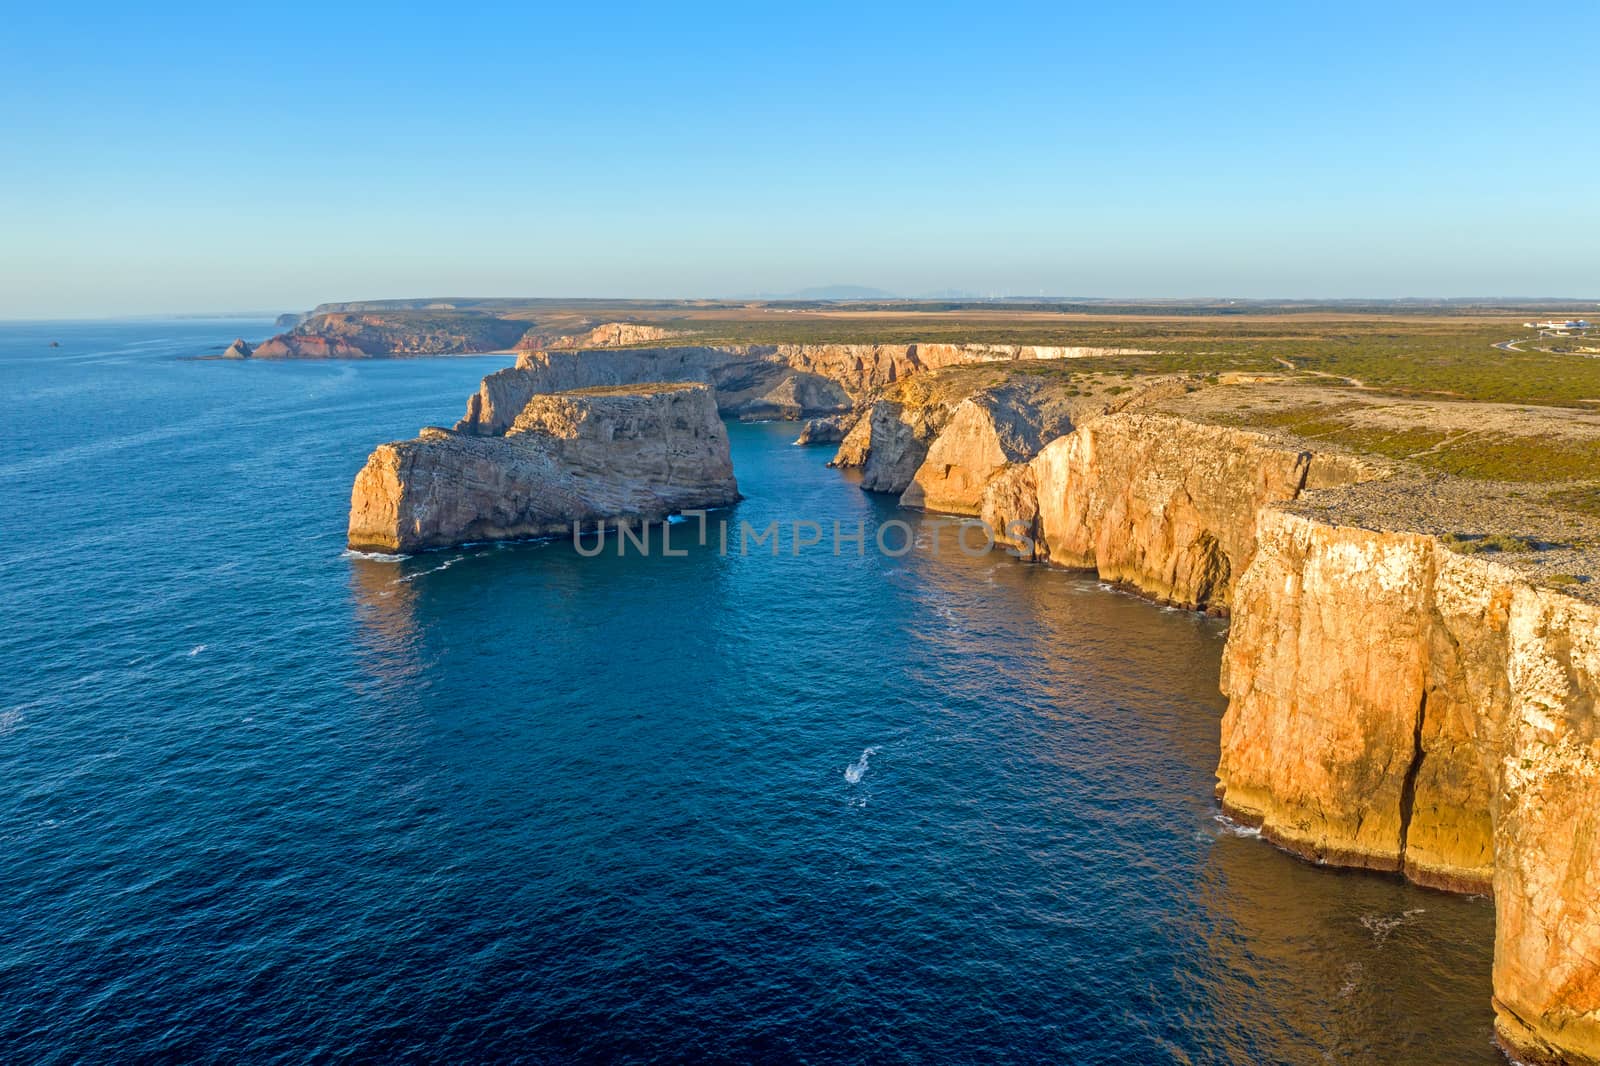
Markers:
(196, 650)
(9, 720)
(1237, 829)
(1352, 980)
(1381, 925)
(382, 557)
(858, 769)
(447, 564)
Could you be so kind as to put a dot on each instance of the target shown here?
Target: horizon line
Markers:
(792, 299)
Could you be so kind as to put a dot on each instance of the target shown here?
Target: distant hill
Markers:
(839, 292)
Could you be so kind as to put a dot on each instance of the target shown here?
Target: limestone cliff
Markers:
(751, 380)
(1547, 833)
(1159, 503)
(1398, 706)
(1347, 738)
(939, 438)
(982, 435)
(634, 453)
(889, 444)
(616, 335)
(746, 386)
(1393, 704)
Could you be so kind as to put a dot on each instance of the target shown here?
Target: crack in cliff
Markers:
(1302, 471)
(1408, 787)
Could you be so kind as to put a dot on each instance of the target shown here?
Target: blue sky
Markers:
(174, 159)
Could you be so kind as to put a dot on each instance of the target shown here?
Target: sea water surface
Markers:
(262, 801)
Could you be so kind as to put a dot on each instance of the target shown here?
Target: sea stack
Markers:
(630, 454)
(239, 349)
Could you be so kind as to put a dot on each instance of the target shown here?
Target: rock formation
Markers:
(752, 381)
(634, 454)
(616, 335)
(829, 430)
(239, 349)
(1397, 706)
(1162, 504)
(746, 386)
(982, 436)
(937, 439)
(889, 444)
(365, 335)
(1346, 737)
(1393, 704)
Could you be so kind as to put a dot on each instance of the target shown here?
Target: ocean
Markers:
(262, 800)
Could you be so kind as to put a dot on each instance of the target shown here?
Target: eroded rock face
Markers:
(1346, 737)
(751, 380)
(615, 335)
(1010, 508)
(830, 430)
(239, 349)
(982, 435)
(1163, 504)
(1392, 704)
(636, 454)
(857, 442)
(889, 444)
(1547, 834)
(1396, 706)
(746, 386)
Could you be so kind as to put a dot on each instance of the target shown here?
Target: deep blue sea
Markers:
(265, 802)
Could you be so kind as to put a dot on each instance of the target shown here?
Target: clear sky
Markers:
(156, 158)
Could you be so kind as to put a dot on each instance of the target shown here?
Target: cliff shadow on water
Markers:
(806, 802)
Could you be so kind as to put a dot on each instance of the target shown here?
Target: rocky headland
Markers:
(631, 454)
(1413, 661)
(370, 335)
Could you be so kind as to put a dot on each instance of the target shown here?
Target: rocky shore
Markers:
(1413, 663)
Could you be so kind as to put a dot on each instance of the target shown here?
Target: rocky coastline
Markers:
(1398, 700)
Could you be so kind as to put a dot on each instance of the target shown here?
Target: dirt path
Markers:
(1355, 383)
